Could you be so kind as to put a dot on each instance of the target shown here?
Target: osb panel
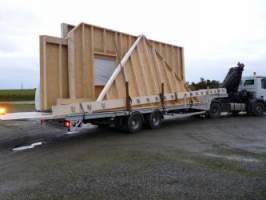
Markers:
(54, 71)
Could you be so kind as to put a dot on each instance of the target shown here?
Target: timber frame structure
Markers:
(68, 66)
(104, 77)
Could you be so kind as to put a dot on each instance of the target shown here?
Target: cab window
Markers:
(263, 83)
(249, 82)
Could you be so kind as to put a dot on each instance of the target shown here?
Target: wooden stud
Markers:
(128, 99)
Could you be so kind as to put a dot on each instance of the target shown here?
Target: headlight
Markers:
(2, 111)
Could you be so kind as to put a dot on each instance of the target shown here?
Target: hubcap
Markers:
(134, 124)
(259, 108)
(155, 121)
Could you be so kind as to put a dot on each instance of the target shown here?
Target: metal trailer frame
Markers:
(189, 108)
(186, 110)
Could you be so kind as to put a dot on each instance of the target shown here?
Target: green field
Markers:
(17, 95)
(21, 108)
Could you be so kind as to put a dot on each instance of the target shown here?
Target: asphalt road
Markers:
(185, 159)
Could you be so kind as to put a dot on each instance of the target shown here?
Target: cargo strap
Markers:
(128, 98)
(162, 97)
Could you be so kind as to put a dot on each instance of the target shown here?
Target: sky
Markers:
(215, 34)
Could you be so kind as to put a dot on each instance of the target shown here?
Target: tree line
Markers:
(204, 84)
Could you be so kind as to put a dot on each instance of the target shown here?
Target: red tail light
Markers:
(67, 124)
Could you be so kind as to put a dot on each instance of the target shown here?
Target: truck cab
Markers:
(256, 85)
(245, 94)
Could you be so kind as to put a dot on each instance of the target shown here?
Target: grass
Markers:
(17, 95)
(22, 108)
(18, 107)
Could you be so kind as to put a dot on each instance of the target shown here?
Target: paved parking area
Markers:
(185, 159)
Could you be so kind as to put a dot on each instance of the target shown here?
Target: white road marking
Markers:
(22, 148)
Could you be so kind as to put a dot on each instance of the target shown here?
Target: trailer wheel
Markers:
(154, 120)
(215, 110)
(134, 122)
(235, 113)
(258, 109)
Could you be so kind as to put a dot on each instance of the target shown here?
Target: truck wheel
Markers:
(103, 125)
(215, 110)
(117, 124)
(235, 113)
(258, 109)
(134, 122)
(154, 120)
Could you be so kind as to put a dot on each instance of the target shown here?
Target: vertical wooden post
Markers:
(128, 99)
(162, 97)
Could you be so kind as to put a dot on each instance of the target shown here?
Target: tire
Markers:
(215, 110)
(118, 123)
(235, 113)
(154, 120)
(103, 126)
(258, 109)
(134, 122)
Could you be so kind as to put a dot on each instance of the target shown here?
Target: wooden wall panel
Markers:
(75, 58)
(108, 43)
(98, 39)
(143, 77)
(53, 71)
(80, 62)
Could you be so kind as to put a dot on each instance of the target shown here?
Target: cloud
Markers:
(215, 34)
(218, 68)
(21, 70)
(8, 45)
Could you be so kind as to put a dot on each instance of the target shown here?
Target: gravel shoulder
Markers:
(184, 159)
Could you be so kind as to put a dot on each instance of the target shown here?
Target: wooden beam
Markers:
(101, 106)
(60, 70)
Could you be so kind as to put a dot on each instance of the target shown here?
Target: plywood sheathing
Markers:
(53, 71)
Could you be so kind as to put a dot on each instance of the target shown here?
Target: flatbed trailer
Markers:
(131, 114)
(210, 102)
(130, 120)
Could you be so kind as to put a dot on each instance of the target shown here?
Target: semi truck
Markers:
(237, 94)
(247, 94)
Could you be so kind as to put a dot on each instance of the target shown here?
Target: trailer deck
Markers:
(205, 97)
(27, 116)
